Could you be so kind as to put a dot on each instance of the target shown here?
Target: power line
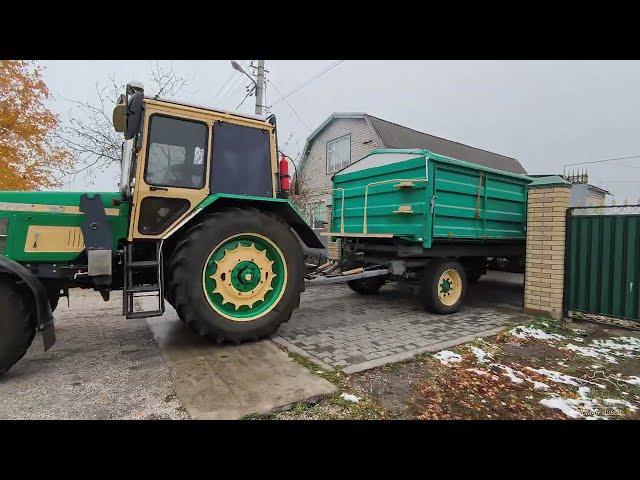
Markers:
(619, 165)
(606, 182)
(289, 105)
(233, 72)
(603, 160)
(245, 97)
(307, 82)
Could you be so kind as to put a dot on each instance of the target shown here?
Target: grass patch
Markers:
(336, 376)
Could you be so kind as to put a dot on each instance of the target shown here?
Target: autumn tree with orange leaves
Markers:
(30, 159)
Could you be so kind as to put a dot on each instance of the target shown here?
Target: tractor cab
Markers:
(176, 155)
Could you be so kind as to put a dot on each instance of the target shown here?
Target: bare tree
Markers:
(300, 193)
(88, 132)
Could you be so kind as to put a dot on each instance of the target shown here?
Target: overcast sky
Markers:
(544, 113)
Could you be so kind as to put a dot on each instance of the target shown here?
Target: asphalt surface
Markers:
(101, 367)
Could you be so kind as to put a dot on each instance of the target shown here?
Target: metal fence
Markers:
(602, 267)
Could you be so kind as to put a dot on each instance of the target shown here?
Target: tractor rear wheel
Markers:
(443, 286)
(17, 323)
(237, 275)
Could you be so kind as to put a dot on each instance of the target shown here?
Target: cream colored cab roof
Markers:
(261, 118)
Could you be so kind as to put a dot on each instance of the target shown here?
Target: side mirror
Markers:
(133, 115)
(119, 114)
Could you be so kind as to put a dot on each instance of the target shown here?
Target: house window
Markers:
(338, 153)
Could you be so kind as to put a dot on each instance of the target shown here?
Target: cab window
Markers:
(176, 153)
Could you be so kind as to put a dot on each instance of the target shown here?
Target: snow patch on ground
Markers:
(591, 352)
(447, 357)
(624, 403)
(571, 407)
(584, 392)
(622, 346)
(514, 375)
(608, 349)
(632, 380)
(350, 398)
(480, 354)
(539, 385)
(518, 377)
(531, 332)
(482, 373)
(559, 377)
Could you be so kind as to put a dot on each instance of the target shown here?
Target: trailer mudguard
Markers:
(281, 207)
(44, 316)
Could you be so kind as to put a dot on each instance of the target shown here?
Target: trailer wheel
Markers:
(17, 323)
(367, 286)
(237, 275)
(443, 286)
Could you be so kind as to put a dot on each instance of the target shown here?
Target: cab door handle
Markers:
(158, 189)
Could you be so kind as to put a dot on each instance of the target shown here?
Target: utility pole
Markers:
(260, 87)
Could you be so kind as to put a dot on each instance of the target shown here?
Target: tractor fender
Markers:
(281, 207)
(44, 316)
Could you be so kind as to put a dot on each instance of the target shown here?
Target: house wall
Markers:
(595, 198)
(317, 181)
(583, 196)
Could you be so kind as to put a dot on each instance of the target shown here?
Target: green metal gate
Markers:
(602, 269)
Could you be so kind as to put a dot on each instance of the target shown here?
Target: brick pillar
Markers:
(548, 199)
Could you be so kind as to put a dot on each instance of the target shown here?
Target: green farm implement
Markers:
(202, 220)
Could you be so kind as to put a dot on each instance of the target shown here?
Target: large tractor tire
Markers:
(17, 323)
(443, 286)
(236, 276)
(367, 286)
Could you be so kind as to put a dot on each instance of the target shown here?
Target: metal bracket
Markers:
(322, 280)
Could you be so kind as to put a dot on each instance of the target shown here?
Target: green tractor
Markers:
(202, 220)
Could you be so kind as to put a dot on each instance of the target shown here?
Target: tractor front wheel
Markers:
(237, 275)
(17, 323)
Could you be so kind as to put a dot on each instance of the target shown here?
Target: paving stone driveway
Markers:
(336, 327)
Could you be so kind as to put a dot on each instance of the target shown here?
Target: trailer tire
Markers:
(17, 323)
(201, 289)
(367, 286)
(443, 286)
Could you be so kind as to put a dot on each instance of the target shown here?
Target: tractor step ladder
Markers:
(133, 290)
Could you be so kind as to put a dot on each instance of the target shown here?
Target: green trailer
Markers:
(427, 219)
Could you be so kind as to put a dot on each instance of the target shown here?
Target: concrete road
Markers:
(102, 367)
(106, 367)
(231, 381)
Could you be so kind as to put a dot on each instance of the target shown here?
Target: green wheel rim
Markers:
(244, 277)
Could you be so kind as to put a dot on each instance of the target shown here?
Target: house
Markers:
(344, 138)
(583, 194)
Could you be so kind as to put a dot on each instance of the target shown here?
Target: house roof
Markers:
(393, 135)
